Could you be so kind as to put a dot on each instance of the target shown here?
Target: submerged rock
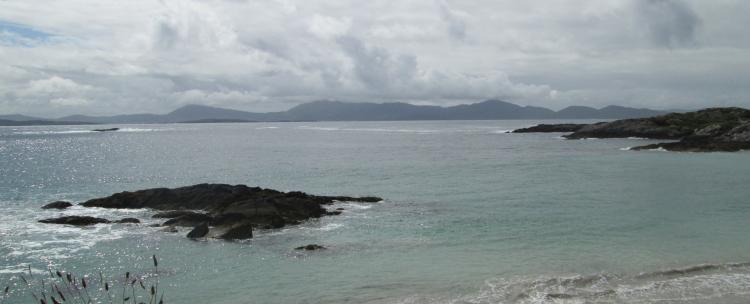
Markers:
(105, 130)
(75, 220)
(239, 232)
(170, 229)
(57, 205)
(551, 128)
(310, 247)
(128, 220)
(199, 231)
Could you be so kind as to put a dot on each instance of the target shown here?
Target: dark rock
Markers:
(199, 231)
(549, 128)
(709, 130)
(340, 209)
(75, 220)
(106, 130)
(227, 205)
(57, 205)
(155, 225)
(697, 146)
(310, 247)
(239, 232)
(129, 220)
(188, 220)
(173, 214)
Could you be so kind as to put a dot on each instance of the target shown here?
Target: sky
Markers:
(60, 57)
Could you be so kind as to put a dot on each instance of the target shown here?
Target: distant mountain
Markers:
(17, 117)
(609, 112)
(39, 122)
(344, 111)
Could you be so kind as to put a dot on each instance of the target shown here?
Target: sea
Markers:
(471, 214)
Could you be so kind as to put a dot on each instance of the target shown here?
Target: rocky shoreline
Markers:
(708, 130)
(215, 210)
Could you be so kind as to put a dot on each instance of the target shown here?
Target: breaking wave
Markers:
(706, 283)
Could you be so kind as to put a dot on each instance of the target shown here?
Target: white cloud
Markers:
(55, 85)
(329, 27)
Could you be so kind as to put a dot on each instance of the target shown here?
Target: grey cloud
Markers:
(456, 26)
(670, 23)
(150, 56)
(375, 67)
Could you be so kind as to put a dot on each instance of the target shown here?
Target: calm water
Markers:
(471, 215)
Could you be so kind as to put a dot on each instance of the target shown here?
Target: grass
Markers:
(65, 287)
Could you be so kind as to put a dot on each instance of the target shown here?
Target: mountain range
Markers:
(343, 111)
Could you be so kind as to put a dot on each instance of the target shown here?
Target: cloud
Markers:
(152, 56)
(670, 23)
(328, 27)
(55, 85)
(456, 26)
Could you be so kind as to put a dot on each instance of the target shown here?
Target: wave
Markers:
(47, 132)
(492, 130)
(53, 132)
(705, 283)
(24, 240)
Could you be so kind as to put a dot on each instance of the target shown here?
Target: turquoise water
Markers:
(471, 214)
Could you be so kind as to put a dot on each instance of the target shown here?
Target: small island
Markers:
(708, 130)
(221, 211)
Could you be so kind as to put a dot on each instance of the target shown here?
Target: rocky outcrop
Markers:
(75, 220)
(226, 211)
(551, 128)
(697, 146)
(709, 130)
(57, 205)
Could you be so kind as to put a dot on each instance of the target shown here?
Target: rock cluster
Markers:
(222, 211)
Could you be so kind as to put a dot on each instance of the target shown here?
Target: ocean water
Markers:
(471, 214)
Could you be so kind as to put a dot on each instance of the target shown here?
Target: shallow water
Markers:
(471, 214)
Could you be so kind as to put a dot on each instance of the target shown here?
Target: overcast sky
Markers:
(109, 57)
